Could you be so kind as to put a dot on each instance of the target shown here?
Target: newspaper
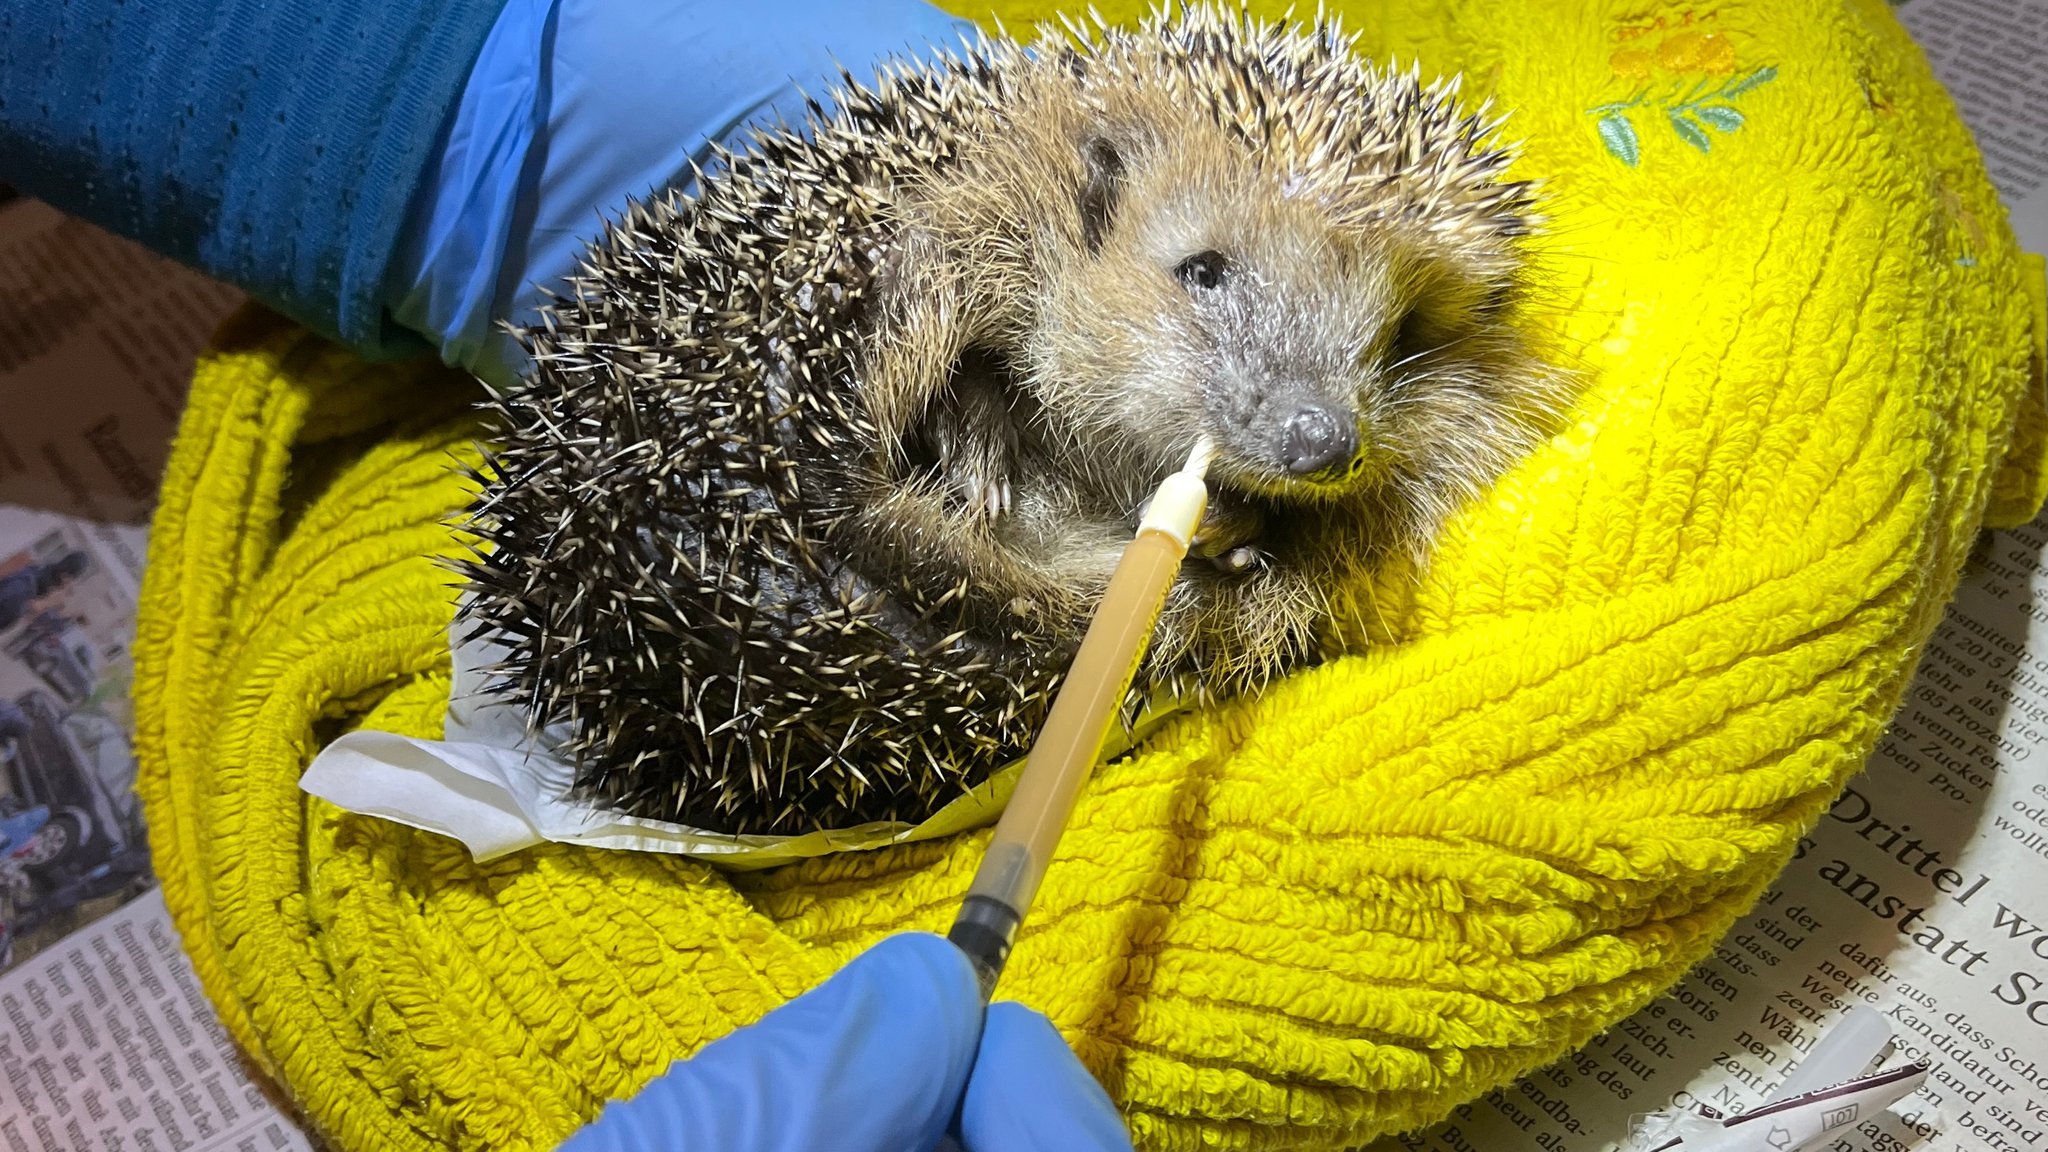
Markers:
(1992, 56)
(71, 836)
(106, 1041)
(97, 338)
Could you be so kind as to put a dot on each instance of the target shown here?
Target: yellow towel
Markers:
(1633, 678)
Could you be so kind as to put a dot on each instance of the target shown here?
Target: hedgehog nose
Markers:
(1317, 440)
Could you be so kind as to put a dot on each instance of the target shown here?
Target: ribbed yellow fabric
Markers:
(1632, 679)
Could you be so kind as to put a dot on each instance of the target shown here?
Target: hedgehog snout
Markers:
(1281, 432)
(1318, 440)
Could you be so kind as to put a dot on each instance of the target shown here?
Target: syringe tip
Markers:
(1198, 460)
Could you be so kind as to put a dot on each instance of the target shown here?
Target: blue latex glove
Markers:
(890, 1055)
(573, 106)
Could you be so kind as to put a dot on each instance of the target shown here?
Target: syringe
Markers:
(1086, 705)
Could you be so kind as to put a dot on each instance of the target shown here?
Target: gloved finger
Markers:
(873, 1060)
(1030, 1093)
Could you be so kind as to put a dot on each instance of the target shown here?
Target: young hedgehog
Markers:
(819, 474)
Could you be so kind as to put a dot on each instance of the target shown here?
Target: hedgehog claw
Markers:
(985, 499)
(970, 433)
(1237, 561)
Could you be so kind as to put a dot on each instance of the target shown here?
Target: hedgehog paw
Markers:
(973, 439)
(1225, 536)
(1229, 534)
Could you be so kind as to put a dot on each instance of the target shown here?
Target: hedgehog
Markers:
(819, 469)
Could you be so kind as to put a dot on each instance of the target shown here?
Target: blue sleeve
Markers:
(274, 144)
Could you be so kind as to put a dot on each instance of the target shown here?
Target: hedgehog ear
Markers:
(1101, 188)
(1495, 300)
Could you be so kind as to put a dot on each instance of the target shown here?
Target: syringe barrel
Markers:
(1068, 746)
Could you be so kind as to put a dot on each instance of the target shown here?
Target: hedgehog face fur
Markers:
(1211, 295)
(820, 473)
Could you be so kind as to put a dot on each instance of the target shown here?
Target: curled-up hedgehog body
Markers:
(819, 472)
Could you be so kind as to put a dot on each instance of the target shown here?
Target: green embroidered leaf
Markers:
(1690, 132)
(1620, 137)
(1720, 117)
(1763, 75)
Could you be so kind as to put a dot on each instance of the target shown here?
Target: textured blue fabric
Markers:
(576, 105)
(889, 1055)
(275, 144)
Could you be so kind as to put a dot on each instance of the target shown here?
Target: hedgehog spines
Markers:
(685, 517)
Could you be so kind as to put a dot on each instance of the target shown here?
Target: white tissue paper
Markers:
(486, 784)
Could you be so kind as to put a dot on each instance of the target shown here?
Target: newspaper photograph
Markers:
(72, 844)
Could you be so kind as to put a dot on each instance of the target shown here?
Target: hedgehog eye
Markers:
(1203, 270)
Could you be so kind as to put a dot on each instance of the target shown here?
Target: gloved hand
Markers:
(575, 105)
(890, 1055)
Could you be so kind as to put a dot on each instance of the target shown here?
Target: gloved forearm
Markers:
(380, 168)
(274, 144)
